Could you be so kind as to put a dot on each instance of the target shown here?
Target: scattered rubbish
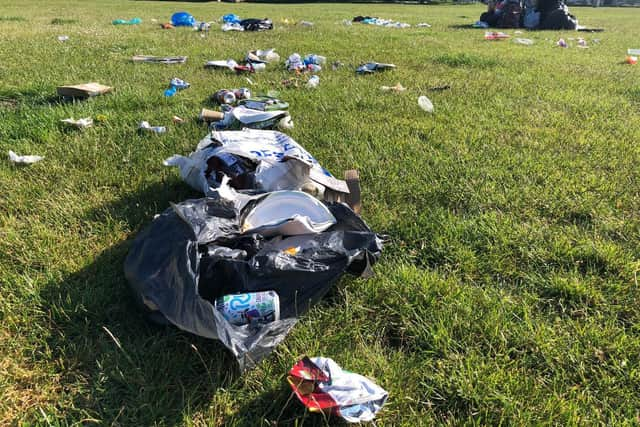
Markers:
(234, 66)
(440, 88)
(311, 62)
(23, 160)
(495, 35)
(423, 25)
(85, 90)
(231, 96)
(425, 103)
(526, 42)
(183, 19)
(347, 22)
(263, 55)
(232, 27)
(634, 52)
(372, 67)
(204, 27)
(177, 120)
(313, 82)
(242, 116)
(518, 32)
(260, 159)
(632, 60)
(336, 65)
(306, 23)
(132, 21)
(191, 255)
(380, 22)
(231, 18)
(582, 43)
(256, 24)
(166, 26)
(397, 88)
(80, 123)
(562, 43)
(323, 386)
(101, 118)
(63, 38)
(264, 103)
(145, 126)
(160, 59)
(175, 85)
(289, 213)
(249, 308)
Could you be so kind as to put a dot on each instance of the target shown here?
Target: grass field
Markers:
(507, 295)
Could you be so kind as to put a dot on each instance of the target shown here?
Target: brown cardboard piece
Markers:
(85, 90)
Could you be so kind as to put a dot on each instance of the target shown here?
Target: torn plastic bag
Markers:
(195, 252)
(280, 163)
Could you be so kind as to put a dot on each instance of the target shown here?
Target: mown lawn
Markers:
(508, 293)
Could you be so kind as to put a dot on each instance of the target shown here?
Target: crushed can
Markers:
(255, 307)
(242, 93)
(224, 96)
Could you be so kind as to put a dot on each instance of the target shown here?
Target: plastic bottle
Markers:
(314, 68)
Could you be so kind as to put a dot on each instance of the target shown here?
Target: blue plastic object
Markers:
(182, 19)
(231, 18)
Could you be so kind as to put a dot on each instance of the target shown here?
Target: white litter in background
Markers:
(526, 42)
(23, 160)
(423, 25)
(80, 123)
(144, 125)
(425, 103)
(63, 38)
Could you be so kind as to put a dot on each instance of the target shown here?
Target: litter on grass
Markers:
(192, 255)
(425, 103)
(23, 160)
(160, 59)
(255, 160)
(79, 124)
(146, 127)
(84, 90)
(372, 67)
(397, 88)
(323, 386)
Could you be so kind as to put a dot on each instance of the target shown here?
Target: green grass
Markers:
(507, 295)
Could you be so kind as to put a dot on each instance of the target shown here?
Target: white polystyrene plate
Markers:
(288, 213)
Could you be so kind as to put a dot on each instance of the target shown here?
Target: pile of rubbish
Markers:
(272, 234)
(232, 22)
(540, 15)
(372, 20)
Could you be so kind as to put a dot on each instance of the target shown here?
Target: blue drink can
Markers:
(255, 307)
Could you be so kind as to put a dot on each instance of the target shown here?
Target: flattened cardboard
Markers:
(84, 90)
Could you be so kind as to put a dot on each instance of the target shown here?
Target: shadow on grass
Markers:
(116, 366)
(31, 97)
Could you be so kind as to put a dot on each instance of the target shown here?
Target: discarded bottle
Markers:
(255, 307)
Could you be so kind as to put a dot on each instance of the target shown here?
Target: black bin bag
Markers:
(195, 252)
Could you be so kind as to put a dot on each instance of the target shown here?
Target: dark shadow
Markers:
(464, 27)
(31, 97)
(280, 407)
(115, 365)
